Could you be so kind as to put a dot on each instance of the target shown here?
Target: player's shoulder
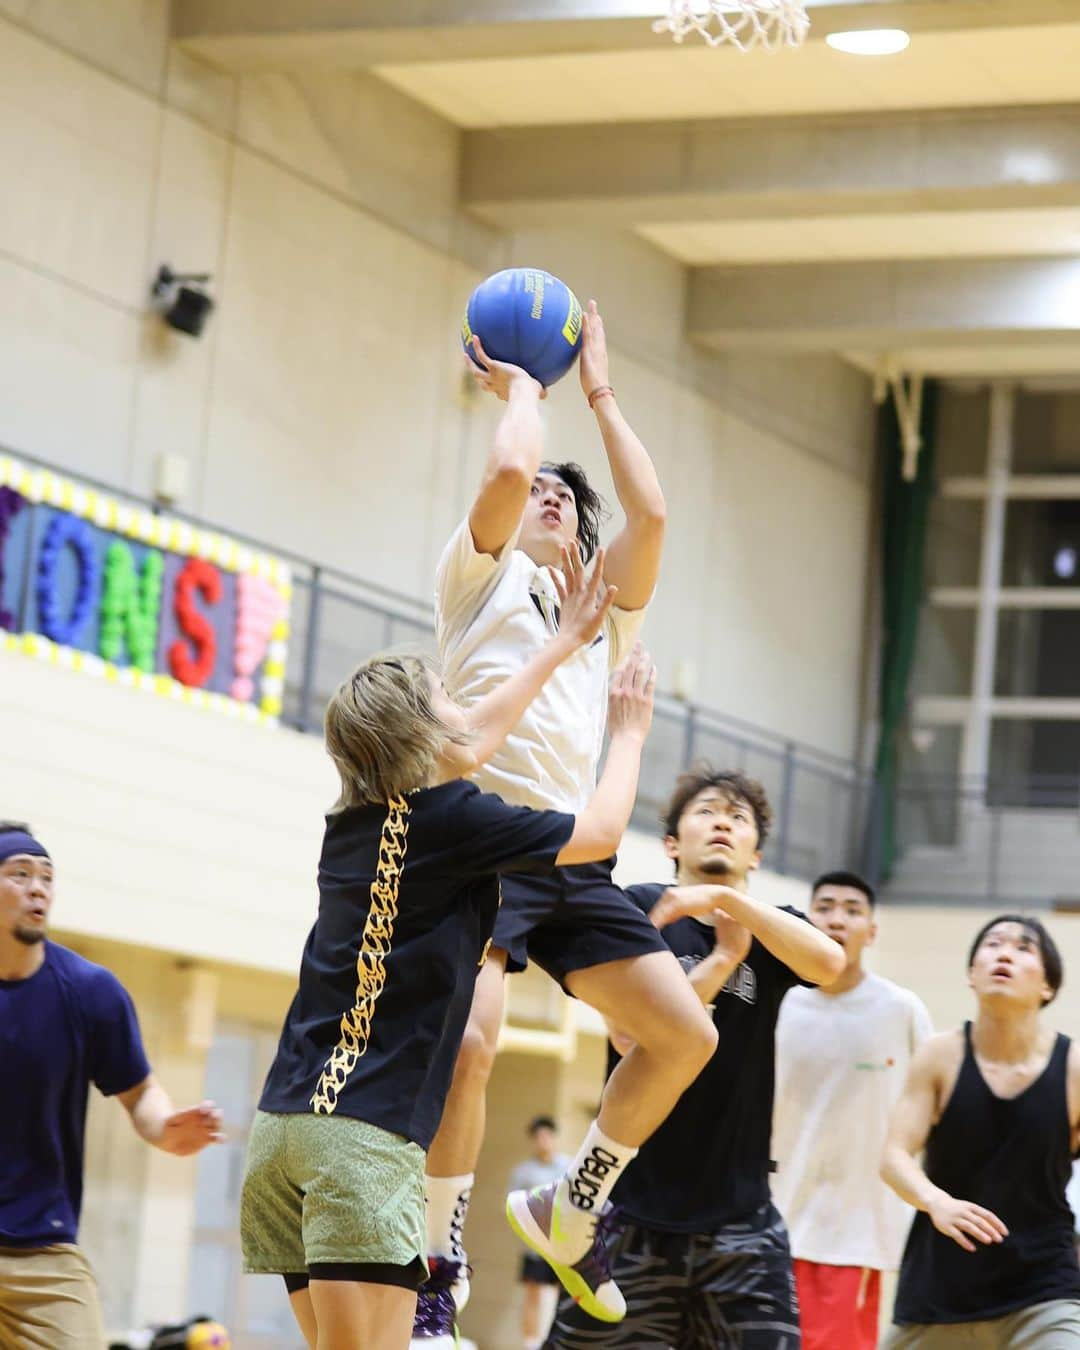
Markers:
(945, 1041)
(456, 815)
(463, 799)
(463, 568)
(351, 835)
(802, 998)
(91, 982)
(480, 827)
(361, 824)
(890, 994)
(645, 894)
(453, 792)
(77, 968)
(941, 1051)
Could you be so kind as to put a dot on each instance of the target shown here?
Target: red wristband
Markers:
(599, 392)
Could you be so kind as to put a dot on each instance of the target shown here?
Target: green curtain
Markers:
(905, 512)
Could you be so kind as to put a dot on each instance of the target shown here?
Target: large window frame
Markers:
(976, 711)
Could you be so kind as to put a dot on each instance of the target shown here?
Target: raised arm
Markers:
(515, 454)
(584, 601)
(599, 829)
(158, 1122)
(633, 560)
(798, 944)
(909, 1128)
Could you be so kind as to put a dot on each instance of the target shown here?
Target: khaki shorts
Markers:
(49, 1299)
(329, 1190)
(1043, 1326)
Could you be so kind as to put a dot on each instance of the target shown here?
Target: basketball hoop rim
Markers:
(743, 24)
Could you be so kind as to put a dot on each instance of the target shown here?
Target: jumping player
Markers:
(702, 1257)
(842, 1056)
(408, 893)
(494, 606)
(990, 1261)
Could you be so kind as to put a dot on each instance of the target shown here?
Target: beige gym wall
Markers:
(321, 411)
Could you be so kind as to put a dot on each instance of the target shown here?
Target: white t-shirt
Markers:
(531, 1173)
(1072, 1195)
(491, 616)
(841, 1062)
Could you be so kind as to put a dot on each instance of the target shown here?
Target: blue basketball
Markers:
(528, 318)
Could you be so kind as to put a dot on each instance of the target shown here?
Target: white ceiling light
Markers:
(870, 42)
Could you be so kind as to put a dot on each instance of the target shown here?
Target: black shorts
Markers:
(411, 1276)
(570, 919)
(535, 1270)
(730, 1290)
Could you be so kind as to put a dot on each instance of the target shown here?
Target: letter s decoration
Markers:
(195, 669)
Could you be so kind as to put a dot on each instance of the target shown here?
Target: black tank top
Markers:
(1013, 1157)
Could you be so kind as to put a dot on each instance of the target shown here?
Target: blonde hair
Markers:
(382, 731)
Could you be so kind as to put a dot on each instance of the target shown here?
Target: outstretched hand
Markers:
(498, 377)
(633, 687)
(191, 1130)
(584, 600)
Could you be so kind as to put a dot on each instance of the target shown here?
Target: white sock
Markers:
(595, 1170)
(447, 1205)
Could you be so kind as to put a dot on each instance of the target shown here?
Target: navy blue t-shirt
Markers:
(67, 1026)
(708, 1164)
(407, 901)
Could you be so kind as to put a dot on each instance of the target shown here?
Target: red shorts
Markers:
(838, 1306)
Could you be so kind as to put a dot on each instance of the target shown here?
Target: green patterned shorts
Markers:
(325, 1190)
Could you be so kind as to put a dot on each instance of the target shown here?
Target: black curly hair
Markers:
(733, 784)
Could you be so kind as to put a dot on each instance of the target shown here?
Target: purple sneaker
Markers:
(435, 1325)
(535, 1217)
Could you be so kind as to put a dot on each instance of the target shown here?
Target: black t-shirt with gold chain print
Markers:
(408, 895)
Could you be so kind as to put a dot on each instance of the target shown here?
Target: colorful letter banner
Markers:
(122, 593)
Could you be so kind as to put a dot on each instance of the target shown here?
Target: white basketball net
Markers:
(745, 24)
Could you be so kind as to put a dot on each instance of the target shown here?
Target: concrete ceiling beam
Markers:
(886, 305)
(248, 35)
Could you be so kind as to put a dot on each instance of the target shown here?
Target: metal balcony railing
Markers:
(819, 800)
